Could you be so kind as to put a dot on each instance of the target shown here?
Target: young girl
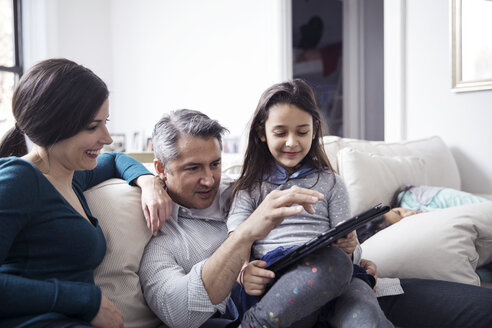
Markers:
(285, 150)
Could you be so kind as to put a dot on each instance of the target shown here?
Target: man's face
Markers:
(193, 178)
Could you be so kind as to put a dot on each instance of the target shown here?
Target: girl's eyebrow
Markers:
(298, 126)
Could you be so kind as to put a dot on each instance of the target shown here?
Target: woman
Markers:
(49, 241)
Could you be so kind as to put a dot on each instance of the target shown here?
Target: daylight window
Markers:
(10, 58)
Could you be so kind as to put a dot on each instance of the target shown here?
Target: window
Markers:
(10, 58)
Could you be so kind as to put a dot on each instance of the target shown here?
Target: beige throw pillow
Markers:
(372, 179)
(118, 208)
(445, 244)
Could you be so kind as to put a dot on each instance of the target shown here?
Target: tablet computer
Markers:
(327, 237)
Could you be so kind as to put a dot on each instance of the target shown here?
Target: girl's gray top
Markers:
(298, 229)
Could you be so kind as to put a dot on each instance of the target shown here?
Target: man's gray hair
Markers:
(172, 126)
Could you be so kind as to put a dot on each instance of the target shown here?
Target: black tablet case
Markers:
(327, 237)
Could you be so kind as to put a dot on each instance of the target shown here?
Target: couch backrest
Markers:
(374, 170)
(117, 206)
(440, 164)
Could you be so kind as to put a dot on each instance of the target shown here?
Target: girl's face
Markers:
(288, 134)
(80, 151)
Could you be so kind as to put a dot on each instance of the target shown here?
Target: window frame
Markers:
(18, 67)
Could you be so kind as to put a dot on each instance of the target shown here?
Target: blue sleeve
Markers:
(19, 201)
(23, 297)
(110, 165)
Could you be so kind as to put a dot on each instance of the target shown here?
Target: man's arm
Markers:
(178, 298)
(220, 271)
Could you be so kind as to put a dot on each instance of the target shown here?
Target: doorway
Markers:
(338, 48)
(317, 36)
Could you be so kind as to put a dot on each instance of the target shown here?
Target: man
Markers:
(190, 268)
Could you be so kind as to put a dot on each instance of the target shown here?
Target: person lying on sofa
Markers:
(430, 198)
(190, 268)
(50, 243)
(409, 200)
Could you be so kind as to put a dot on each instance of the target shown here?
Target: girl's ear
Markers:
(260, 135)
(159, 169)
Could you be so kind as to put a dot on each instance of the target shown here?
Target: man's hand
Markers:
(275, 207)
(370, 267)
(348, 243)
(157, 206)
(255, 277)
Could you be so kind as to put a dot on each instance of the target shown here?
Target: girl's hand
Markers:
(255, 277)
(348, 243)
(108, 316)
(156, 203)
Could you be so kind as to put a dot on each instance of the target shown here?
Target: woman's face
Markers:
(398, 213)
(80, 151)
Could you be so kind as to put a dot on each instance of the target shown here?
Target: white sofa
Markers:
(448, 245)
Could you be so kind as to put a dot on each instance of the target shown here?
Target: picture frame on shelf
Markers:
(118, 145)
(471, 48)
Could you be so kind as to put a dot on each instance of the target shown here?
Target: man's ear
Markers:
(159, 169)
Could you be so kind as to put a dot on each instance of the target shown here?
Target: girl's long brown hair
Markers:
(258, 160)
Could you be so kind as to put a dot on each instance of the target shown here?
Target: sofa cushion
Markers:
(441, 167)
(372, 179)
(117, 206)
(445, 244)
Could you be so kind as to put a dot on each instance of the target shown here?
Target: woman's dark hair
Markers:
(396, 201)
(53, 101)
(258, 160)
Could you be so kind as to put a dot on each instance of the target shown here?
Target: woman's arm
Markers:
(111, 165)
(156, 203)
(22, 297)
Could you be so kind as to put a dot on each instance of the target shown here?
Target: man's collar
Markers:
(216, 211)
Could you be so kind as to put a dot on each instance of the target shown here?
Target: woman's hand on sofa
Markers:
(108, 316)
(156, 203)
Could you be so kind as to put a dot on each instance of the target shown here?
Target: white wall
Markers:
(215, 56)
(428, 106)
(77, 30)
(159, 55)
